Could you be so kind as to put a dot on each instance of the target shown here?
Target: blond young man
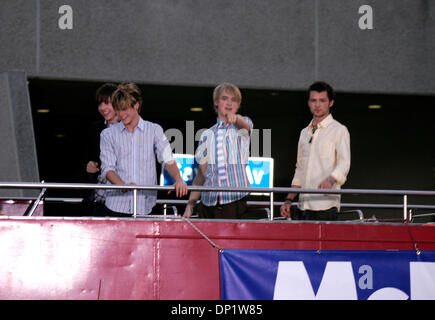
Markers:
(223, 153)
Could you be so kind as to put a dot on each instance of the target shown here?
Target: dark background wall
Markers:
(179, 50)
(392, 147)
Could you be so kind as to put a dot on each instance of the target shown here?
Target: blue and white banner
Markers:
(251, 274)
(188, 168)
(259, 171)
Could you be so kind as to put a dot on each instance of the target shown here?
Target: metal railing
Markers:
(403, 193)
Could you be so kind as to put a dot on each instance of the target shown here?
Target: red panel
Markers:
(80, 258)
(20, 207)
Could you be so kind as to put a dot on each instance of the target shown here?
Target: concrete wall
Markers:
(253, 43)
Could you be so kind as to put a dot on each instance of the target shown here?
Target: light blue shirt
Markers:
(132, 156)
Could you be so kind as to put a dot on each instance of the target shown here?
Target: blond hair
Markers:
(229, 87)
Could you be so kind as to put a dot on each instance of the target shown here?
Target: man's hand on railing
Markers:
(180, 188)
(189, 209)
(285, 209)
(180, 185)
(125, 190)
(193, 198)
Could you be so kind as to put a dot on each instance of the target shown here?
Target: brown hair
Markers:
(105, 92)
(126, 95)
(320, 86)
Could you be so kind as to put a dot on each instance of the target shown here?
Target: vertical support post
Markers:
(37, 201)
(134, 203)
(405, 208)
(271, 206)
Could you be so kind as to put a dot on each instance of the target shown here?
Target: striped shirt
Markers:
(235, 147)
(99, 195)
(132, 156)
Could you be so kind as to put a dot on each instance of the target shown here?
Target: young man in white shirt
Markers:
(323, 159)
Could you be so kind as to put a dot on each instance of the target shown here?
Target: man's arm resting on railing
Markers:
(285, 208)
(180, 186)
(113, 177)
(195, 195)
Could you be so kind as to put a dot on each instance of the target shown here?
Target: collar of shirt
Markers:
(140, 125)
(322, 124)
(110, 124)
(221, 124)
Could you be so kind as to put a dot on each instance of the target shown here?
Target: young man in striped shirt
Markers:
(128, 155)
(223, 153)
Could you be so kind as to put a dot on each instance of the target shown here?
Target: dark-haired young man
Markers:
(94, 199)
(323, 159)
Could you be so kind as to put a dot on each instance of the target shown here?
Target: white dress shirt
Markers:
(328, 154)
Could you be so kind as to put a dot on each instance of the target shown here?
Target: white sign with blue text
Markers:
(250, 274)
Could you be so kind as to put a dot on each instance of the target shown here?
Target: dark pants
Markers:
(233, 210)
(321, 215)
(99, 209)
(93, 209)
(106, 212)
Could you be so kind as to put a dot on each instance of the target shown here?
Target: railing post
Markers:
(37, 201)
(134, 202)
(271, 206)
(405, 208)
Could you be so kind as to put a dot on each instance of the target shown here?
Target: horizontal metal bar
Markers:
(386, 206)
(252, 203)
(423, 215)
(49, 185)
(343, 205)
